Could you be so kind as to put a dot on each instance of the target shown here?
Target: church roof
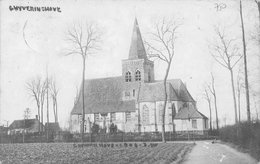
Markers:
(105, 95)
(176, 91)
(137, 50)
(155, 92)
(189, 112)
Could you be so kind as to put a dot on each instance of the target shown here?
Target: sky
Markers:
(33, 42)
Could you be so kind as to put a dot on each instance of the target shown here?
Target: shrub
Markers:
(95, 128)
(67, 136)
(113, 128)
(246, 135)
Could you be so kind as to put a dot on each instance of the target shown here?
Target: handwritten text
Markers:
(31, 8)
(220, 6)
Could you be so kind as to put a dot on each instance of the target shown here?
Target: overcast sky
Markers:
(32, 40)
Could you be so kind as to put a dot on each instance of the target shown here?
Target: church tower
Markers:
(137, 68)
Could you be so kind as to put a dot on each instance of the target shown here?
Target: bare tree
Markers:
(42, 98)
(163, 48)
(27, 113)
(47, 98)
(207, 96)
(85, 38)
(54, 95)
(256, 96)
(225, 52)
(225, 119)
(245, 63)
(240, 85)
(33, 85)
(211, 88)
(26, 116)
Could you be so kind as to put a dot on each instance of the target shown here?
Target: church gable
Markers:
(189, 112)
(181, 90)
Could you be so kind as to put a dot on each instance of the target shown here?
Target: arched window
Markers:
(128, 76)
(160, 107)
(145, 115)
(172, 112)
(137, 75)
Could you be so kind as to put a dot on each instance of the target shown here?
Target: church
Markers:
(134, 101)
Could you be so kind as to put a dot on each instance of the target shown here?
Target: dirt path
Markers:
(205, 152)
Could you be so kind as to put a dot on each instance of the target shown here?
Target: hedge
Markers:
(245, 135)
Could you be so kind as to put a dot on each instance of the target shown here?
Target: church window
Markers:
(173, 111)
(145, 115)
(160, 113)
(170, 115)
(161, 116)
(128, 116)
(128, 76)
(96, 117)
(133, 93)
(113, 117)
(149, 77)
(206, 124)
(137, 75)
(194, 124)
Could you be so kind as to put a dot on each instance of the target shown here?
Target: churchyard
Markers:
(109, 153)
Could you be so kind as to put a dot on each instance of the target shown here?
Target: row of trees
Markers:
(41, 90)
(225, 51)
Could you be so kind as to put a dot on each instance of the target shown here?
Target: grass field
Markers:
(112, 153)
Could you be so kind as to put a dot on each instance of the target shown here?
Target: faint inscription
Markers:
(220, 6)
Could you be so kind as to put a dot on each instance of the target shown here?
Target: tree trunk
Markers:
(213, 91)
(238, 101)
(83, 101)
(138, 105)
(163, 114)
(165, 101)
(56, 105)
(54, 109)
(234, 94)
(210, 116)
(216, 109)
(41, 117)
(245, 64)
(47, 133)
(23, 129)
(39, 127)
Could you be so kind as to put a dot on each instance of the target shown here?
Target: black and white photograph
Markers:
(130, 82)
